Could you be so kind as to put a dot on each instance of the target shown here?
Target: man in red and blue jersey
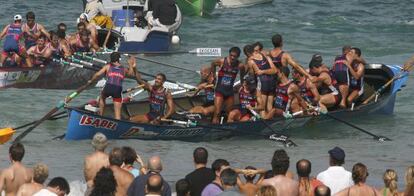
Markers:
(12, 34)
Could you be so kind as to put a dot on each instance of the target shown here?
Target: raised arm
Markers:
(139, 79)
(295, 65)
(43, 30)
(215, 63)
(132, 63)
(359, 73)
(98, 74)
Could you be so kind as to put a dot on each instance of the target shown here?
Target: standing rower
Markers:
(340, 72)
(115, 74)
(159, 99)
(32, 31)
(228, 69)
(13, 33)
(249, 99)
(207, 84)
(40, 54)
(356, 72)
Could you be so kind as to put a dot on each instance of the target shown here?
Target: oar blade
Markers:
(6, 134)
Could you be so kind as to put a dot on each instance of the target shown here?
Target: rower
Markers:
(159, 98)
(115, 74)
(63, 44)
(58, 50)
(282, 59)
(84, 18)
(285, 91)
(340, 72)
(330, 96)
(39, 55)
(248, 52)
(97, 14)
(206, 84)
(13, 33)
(265, 71)
(83, 43)
(308, 90)
(12, 60)
(249, 99)
(32, 31)
(356, 85)
(228, 69)
(258, 47)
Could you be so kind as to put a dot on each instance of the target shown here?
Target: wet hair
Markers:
(129, 155)
(390, 181)
(61, 34)
(61, 183)
(346, 48)
(182, 187)
(61, 25)
(156, 185)
(250, 178)
(16, 151)
(40, 173)
(218, 163)
(303, 168)
(357, 51)
(409, 181)
(30, 15)
(115, 157)
(248, 50)
(266, 190)
(258, 44)
(228, 177)
(359, 173)
(164, 78)
(115, 56)
(277, 40)
(280, 162)
(200, 155)
(322, 190)
(235, 50)
(104, 183)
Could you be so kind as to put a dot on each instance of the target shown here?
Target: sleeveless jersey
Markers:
(115, 75)
(28, 40)
(246, 98)
(267, 82)
(277, 60)
(11, 42)
(282, 96)
(226, 77)
(157, 101)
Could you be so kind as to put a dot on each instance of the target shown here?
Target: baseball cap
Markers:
(316, 61)
(17, 17)
(99, 141)
(337, 153)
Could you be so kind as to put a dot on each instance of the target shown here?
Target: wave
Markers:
(272, 20)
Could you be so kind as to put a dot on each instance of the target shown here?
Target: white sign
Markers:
(208, 51)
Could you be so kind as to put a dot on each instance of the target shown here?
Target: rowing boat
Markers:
(197, 7)
(240, 3)
(52, 76)
(83, 124)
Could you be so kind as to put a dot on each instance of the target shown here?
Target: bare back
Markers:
(123, 180)
(93, 163)
(14, 177)
(285, 186)
(359, 190)
(249, 189)
(29, 189)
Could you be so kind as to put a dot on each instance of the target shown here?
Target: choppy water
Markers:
(382, 29)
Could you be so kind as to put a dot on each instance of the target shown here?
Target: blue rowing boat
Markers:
(83, 124)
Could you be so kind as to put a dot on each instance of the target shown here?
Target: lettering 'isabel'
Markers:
(87, 120)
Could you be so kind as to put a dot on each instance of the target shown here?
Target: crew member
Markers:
(308, 90)
(39, 55)
(83, 43)
(13, 33)
(59, 49)
(249, 99)
(32, 31)
(207, 84)
(84, 18)
(340, 72)
(115, 75)
(97, 14)
(356, 72)
(159, 99)
(228, 69)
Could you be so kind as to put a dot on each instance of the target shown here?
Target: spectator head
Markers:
(322, 190)
(154, 184)
(129, 155)
(155, 164)
(228, 177)
(390, 181)
(40, 173)
(267, 190)
(104, 183)
(248, 50)
(303, 168)
(60, 186)
(337, 156)
(219, 165)
(16, 152)
(280, 162)
(200, 155)
(115, 157)
(359, 173)
(277, 41)
(99, 142)
(250, 178)
(182, 187)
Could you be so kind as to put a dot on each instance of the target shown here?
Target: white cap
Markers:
(17, 17)
(84, 16)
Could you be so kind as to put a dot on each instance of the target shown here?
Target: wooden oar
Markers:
(405, 69)
(51, 112)
(197, 51)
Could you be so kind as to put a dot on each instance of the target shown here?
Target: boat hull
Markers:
(197, 7)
